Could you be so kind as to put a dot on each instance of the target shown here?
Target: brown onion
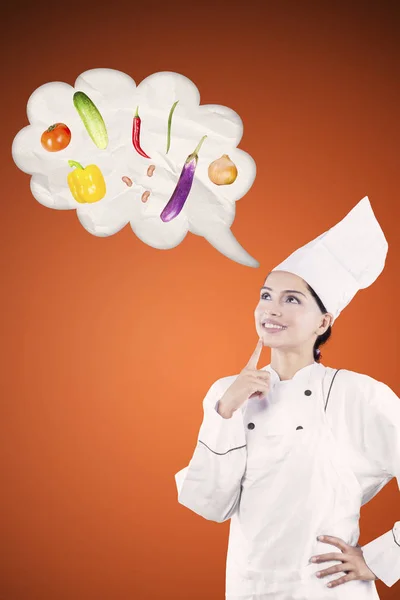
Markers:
(222, 171)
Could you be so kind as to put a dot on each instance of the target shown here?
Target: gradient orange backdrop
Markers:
(109, 345)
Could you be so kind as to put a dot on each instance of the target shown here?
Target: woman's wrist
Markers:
(224, 410)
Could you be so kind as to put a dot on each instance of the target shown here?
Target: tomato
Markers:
(56, 137)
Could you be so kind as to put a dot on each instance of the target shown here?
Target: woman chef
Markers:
(290, 452)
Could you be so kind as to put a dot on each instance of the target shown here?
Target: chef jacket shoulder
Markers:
(359, 399)
(217, 390)
(371, 392)
(365, 415)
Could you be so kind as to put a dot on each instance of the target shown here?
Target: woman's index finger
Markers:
(256, 355)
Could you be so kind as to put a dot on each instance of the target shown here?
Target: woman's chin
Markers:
(270, 342)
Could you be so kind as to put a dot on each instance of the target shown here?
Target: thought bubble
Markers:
(136, 188)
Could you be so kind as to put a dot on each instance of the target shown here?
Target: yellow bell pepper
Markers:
(86, 184)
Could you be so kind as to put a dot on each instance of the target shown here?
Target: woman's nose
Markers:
(273, 311)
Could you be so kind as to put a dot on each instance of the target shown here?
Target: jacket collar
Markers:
(302, 376)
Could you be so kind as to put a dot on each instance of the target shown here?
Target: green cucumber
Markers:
(92, 119)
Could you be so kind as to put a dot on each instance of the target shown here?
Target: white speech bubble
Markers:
(209, 210)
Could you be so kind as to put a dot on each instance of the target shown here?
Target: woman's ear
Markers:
(327, 321)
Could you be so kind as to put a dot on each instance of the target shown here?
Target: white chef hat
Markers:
(348, 257)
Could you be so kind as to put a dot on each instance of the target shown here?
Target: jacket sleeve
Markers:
(211, 484)
(382, 554)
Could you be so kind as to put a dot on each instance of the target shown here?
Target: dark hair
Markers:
(321, 339)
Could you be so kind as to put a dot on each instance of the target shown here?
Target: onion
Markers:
(222, 171)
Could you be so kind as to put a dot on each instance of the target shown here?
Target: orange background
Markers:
(109, 345)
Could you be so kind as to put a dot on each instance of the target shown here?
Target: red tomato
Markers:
(56, 137)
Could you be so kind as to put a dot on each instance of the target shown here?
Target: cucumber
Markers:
(92, 119)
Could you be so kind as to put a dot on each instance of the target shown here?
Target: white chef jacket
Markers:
(364, 416)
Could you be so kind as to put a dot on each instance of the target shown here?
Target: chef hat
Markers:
(348, 257)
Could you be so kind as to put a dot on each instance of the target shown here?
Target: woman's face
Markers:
(286, 301)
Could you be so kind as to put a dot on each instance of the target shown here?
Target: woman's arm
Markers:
(211, 484)
(382, 435)
(382, 555)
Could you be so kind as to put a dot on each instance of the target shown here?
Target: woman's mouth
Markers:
(272, 328)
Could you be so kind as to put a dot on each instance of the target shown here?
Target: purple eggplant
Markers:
(183, 187)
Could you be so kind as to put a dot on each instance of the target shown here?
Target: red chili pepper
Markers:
(136, 134)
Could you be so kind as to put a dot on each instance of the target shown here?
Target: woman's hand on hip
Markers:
(353, 563)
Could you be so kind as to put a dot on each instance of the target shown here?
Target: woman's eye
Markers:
(288, 298)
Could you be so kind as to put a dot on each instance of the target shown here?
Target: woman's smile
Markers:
(272, 326)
